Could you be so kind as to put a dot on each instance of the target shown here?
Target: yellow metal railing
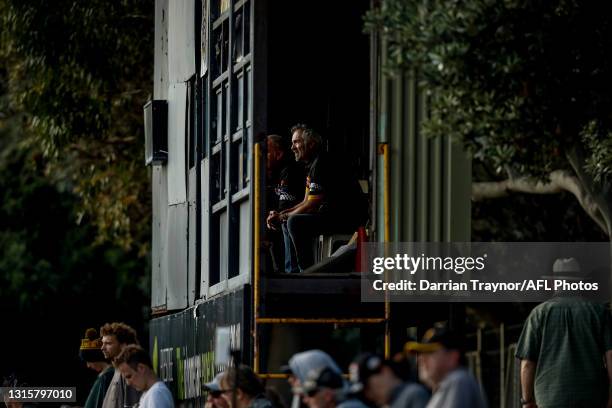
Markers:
(299, 320)
(384, 149)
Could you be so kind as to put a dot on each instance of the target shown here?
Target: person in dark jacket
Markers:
(379, 383)
(93, 357)
(325, 388)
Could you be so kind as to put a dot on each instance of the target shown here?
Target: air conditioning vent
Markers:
(156, 132)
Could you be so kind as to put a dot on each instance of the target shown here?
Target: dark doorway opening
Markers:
(318, 74)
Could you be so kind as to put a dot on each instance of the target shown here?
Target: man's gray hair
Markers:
(309, 135)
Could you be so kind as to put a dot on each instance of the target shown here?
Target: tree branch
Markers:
(575, 156)
(559, 181)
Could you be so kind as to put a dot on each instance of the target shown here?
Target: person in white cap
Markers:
(316, 378)
(564, 348)
(302, 363)
(215, 399)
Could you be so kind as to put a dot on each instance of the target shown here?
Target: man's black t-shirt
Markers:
(290, 187)
(340, 191)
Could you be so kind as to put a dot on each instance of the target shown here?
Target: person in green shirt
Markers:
(91, 353)
(564, 348)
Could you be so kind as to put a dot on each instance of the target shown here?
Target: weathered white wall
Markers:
(160, 70)
(181, 41)
(176, 239)
(174, 65)
(177, 172)
(159, 261)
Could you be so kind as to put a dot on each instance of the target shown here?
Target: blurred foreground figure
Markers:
(241, 387)
(441, 367)
(379, 383)
(12, 382)
(215, 399)
(316, 378)
(300, 364)
(564, 349)
(135, 366)
(91, 353)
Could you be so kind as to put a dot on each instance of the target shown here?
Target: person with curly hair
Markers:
(115, 337)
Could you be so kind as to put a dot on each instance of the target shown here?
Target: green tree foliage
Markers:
(44, 254)
(80, 72)
(525, 85)
(54, 282)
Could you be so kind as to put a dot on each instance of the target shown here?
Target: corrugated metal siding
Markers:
(430, 179)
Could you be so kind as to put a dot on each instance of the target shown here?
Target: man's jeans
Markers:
(291, 265)
(304, 228)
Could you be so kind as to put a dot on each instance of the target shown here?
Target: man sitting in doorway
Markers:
(333, 204)
(285, 176)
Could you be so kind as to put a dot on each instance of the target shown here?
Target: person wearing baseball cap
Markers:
(300, 364)
(378, 382)
(316, 379)
(93, 357)
(441, 366)
(215, 399)
(324, 387)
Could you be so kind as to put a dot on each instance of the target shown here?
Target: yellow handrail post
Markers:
(387, 237)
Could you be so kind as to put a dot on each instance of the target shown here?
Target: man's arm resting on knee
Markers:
(528, 369)
(310, 204)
